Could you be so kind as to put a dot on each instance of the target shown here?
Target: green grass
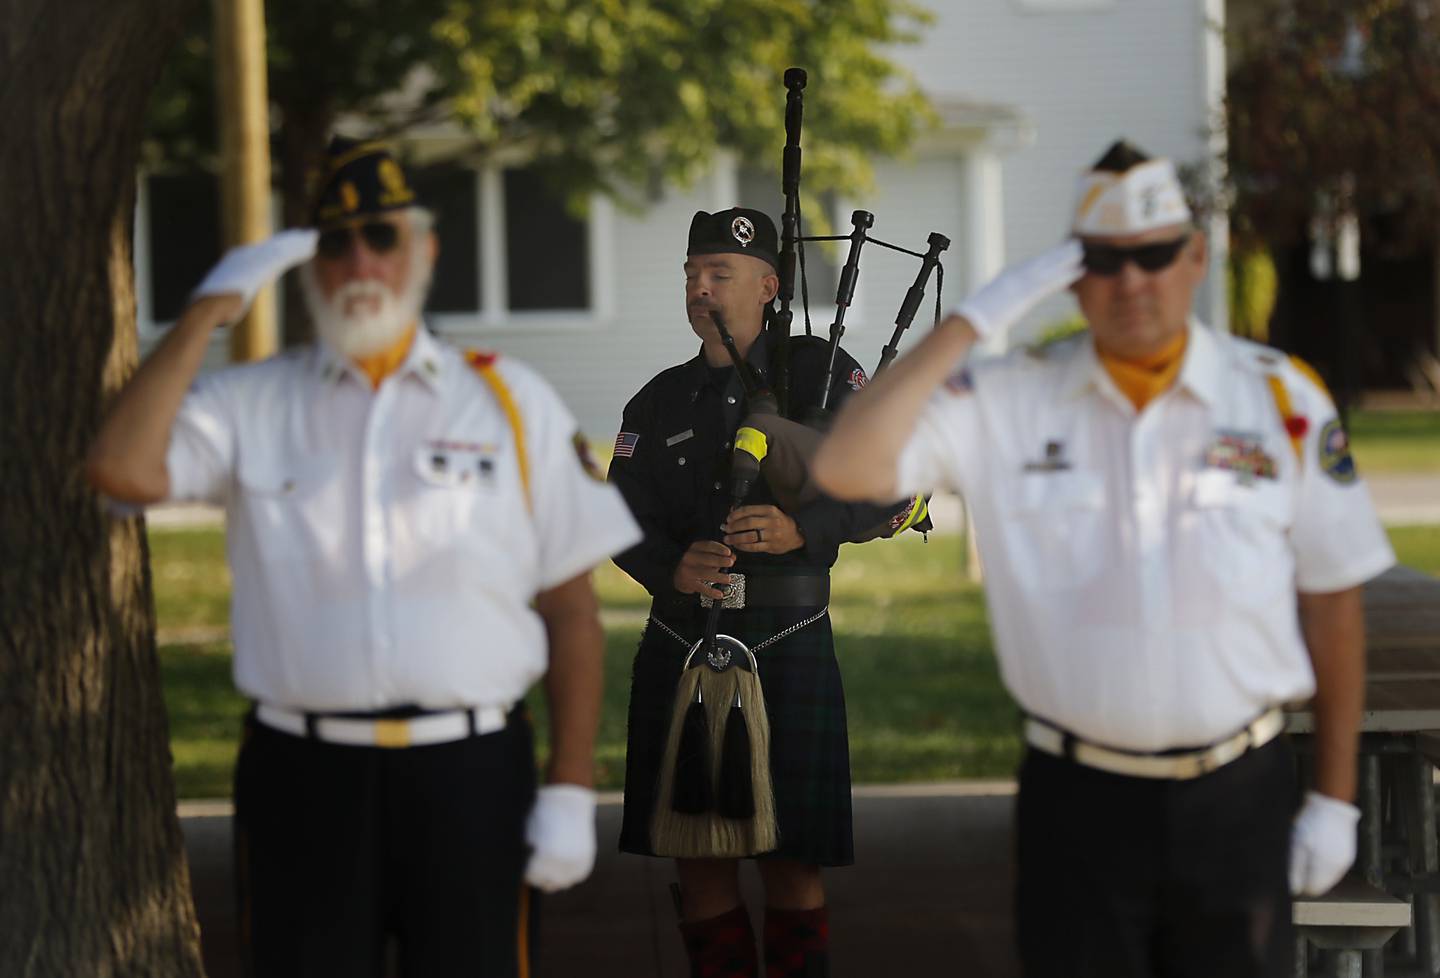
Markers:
(1396, 441)
(922, 690)
(1417, 546)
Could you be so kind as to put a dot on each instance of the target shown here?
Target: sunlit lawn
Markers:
(922, 690)
(1396, 441)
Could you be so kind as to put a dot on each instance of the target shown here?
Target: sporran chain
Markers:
(781, 636)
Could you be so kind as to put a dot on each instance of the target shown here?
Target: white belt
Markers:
(417, 731)
(1181, 766)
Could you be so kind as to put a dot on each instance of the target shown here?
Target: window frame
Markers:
(494, 316)
(148, 330)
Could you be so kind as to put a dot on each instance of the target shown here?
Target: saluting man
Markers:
(673, 463)
(410, 533)
(1174, 536)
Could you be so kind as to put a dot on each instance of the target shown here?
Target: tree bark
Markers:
(93, 879)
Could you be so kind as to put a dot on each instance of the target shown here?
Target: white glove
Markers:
(246, 269)
(1322, 843)
(996, 306)
(561, 833)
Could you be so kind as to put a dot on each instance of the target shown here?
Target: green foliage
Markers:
(1254, 286)
(614, 95)
(1332, 105)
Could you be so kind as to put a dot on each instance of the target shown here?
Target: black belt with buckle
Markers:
(786, 590)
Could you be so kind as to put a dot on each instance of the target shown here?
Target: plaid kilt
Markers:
(809, 748)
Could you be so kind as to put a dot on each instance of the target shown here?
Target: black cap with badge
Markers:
(357, 180)
(737, 231)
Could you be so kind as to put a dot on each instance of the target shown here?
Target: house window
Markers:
(183, 215)
(512, 255)
(453, 195)
(546, 247)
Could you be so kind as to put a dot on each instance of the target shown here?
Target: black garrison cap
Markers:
(738, 231)
(358, 179)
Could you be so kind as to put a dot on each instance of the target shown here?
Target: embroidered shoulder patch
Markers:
(856, 379)
(587, 461)
(1335, 458)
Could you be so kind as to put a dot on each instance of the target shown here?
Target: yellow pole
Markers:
(244, 120)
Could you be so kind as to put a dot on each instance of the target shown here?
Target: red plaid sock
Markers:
(797, 943)
(722, 947)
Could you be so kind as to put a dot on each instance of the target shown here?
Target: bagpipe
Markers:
(715, 795)
(789, 433)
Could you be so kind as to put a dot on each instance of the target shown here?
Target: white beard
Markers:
(364, 318)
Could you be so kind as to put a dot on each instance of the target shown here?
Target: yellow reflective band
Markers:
(918, 509)
(1282, 404)
(392, 733)
(752, 442)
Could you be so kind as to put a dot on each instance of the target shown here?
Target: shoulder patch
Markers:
(587, 461)
(1334, 451)
(625, 443)
(961, 381)
(856, 380)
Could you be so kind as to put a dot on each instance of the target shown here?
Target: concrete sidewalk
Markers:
(930, 893)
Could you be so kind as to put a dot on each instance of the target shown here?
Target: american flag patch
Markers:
(625, 444)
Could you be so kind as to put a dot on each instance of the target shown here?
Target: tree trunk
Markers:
(93, 879)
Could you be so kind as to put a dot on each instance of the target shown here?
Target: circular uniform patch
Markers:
(742, 230)
(587, 461)
(1335, 458)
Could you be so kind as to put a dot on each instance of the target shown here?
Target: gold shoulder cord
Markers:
(1295, 425)
(1287, 414)
(484, 365)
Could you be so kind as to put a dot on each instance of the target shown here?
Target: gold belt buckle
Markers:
(734, 594)
(392, 733)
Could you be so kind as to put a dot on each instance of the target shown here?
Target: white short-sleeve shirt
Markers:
(381, 544)
(1142, 569)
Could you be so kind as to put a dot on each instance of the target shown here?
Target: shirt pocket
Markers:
(465, 498)
(1238, 536)
(294, 507)
(1054, 527)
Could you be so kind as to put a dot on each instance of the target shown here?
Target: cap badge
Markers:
(743, 231)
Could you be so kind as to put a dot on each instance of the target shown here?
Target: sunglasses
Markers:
(1109, 259)
(378, 236)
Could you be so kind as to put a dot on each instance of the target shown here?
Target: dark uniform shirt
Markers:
(673, 466)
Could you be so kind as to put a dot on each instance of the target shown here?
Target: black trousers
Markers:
(1138, 878)
(340, 848)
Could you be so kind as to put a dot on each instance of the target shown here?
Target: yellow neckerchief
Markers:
(378, 366)
(1146, 378)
